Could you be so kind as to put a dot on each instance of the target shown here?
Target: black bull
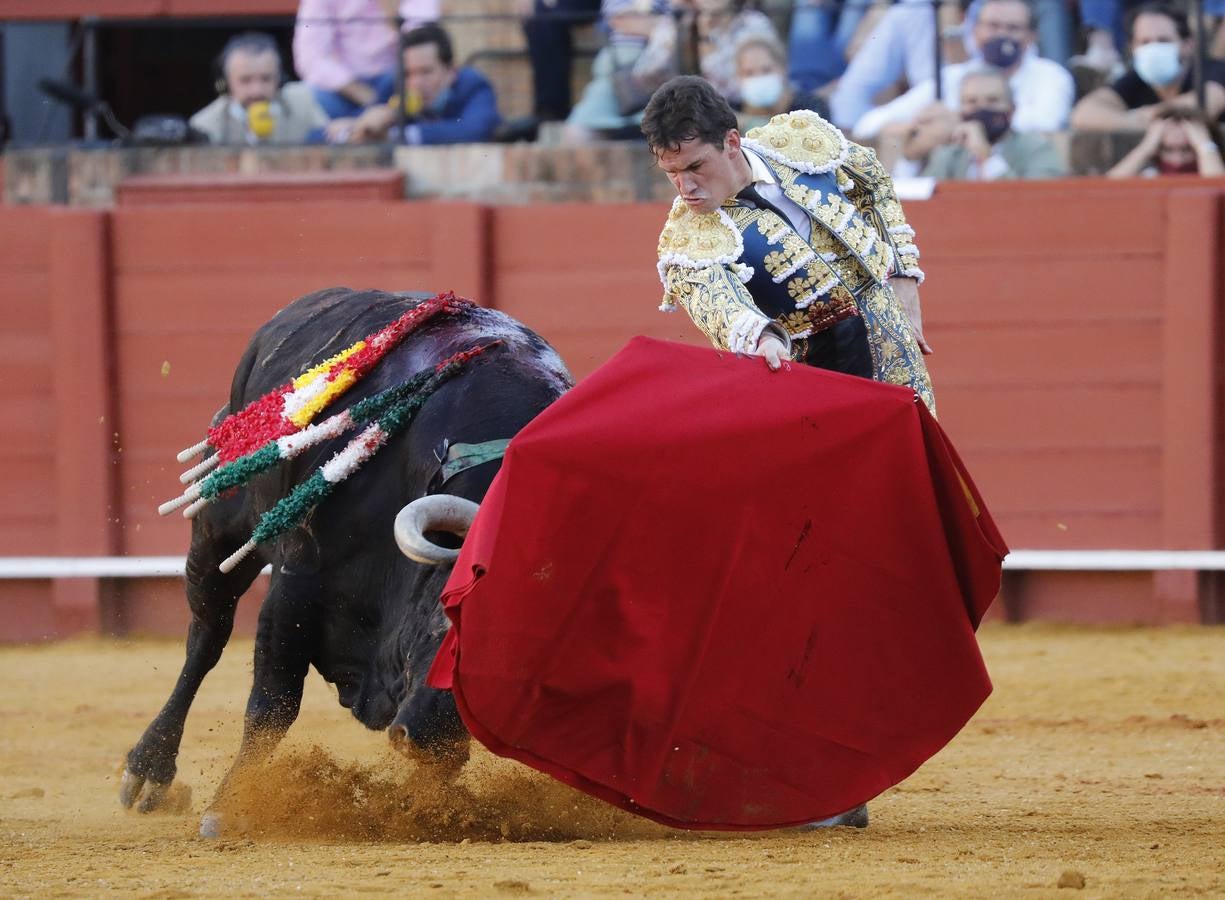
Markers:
(342, 597)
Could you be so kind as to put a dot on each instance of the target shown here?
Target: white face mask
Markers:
(762, 91)
(1157, 63)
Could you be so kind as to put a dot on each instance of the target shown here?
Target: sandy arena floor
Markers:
(1100, 757)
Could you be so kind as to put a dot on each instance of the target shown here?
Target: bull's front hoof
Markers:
(442, 761)
(148, 795)
(143, 793)
(211, 825)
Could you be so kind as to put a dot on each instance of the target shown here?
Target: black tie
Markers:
(753, 196)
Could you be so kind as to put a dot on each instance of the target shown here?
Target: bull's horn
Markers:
(436, 512)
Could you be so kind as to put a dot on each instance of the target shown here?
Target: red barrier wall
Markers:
(1078, 369)
(1077, 365)
(27, 440)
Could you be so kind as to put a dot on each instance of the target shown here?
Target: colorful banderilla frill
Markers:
(243, 469)
(383, 415)
(291, 407)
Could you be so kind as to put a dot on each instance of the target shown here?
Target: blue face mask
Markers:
(995, 122)
(1157, 63)
(1001, 52)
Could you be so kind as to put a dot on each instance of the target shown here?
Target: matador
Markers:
(788, 242)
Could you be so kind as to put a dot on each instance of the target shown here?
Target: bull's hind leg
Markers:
(213, 597)
(284, 642)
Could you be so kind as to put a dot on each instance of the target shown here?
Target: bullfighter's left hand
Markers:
(907, 292)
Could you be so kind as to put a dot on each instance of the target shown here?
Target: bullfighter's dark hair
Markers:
(684, 108)
(1158, 8)
(431, 33)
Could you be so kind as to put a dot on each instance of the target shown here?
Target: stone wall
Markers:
(609, 172)
(77, 177)
(493, 173)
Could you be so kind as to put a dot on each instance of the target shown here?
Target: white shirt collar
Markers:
(758, 168)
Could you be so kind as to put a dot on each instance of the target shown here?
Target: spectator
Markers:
(1179, 141)
(1105, 33)
(346, 49)
(718, 27)
(1003, 37)
(821, 33)
(1102, 24)
(640, 56)
(983, 146)
(765, 91)
(903, 147)
(548, 28)
(254, 107)
(1160, 73)
(899, 46)
(1053, 26)
(444, 104)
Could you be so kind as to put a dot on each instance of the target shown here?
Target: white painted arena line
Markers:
(35, 567)
(1115, 560)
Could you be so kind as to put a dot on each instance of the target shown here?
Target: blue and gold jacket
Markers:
(739, 268)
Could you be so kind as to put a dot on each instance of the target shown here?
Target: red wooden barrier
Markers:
(374, 185)
(1078, 361)
(27, 439)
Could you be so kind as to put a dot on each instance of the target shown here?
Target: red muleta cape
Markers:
(722, 597)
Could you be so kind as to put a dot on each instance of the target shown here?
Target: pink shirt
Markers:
(354, 44)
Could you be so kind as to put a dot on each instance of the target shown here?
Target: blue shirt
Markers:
(467, 113)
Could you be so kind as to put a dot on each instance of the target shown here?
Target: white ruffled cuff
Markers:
(744, 330)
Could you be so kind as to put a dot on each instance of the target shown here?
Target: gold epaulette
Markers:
(695, 240)
(802, 140)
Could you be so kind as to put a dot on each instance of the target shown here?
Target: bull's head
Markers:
(434, 512)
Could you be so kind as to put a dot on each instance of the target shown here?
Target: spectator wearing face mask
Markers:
(718, 27)
(897, 48)
(1179, 141)
(983, 146)
(1003, 37)
(1160, 73)
(765, 91)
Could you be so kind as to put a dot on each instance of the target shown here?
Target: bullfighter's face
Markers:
(706, 175)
